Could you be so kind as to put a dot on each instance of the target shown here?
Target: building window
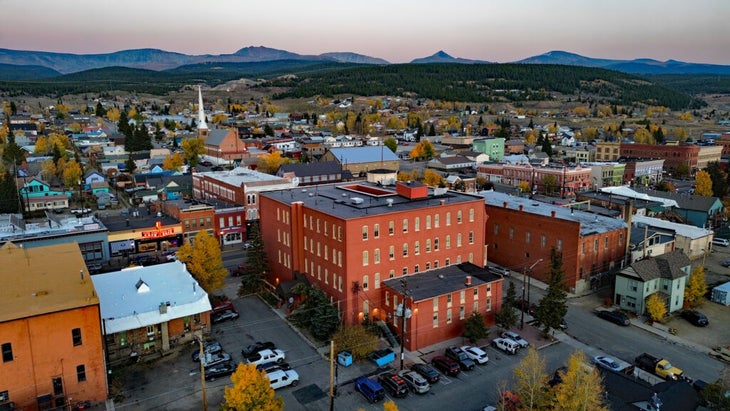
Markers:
(377, 280)
(365, 282)
(405, 226)
(405, 271)
(364, 232)
(7, 349)
(448, 316)
(560, 245)
(417, 223)
(376, 256)
(435, 320)
(447, 262)
(475, 307)
(405, 249)
(620, 238)
(417, 269)
(376, 231)
(436, 244)
(462, 297)
(448, 242)
(81, 373)
(511, 233)
(448, 300)
(428, 245)
(387, 298)
(462, 312)
(605, 244)
(428, 265)
(76, 336)
(448, 219)
(476, 292)
(489, 304)
(391, 274)
(417, 248)
(458, 240)
(365, 258)
(391, 227)
(428, 222)
(391, 252)
(496, 229)
(436, 221)
(471, 215)
(471, 237)
(595, 244)
(436, 264)
(527, 237)
(458, 217)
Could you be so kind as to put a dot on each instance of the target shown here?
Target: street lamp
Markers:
(524, 277)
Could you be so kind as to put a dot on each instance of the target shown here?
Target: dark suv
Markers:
(394, 384)
(370, 389)
(696, 318)
(446, 365)
(458, 355)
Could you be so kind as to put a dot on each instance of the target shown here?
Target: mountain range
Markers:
(24, 64)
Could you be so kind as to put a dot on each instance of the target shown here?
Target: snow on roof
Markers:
(628, 192)
(131, 298)
(684, 230)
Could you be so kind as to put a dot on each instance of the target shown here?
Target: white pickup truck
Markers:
(265, 356)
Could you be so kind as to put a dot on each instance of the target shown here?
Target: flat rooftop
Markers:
(359, 199)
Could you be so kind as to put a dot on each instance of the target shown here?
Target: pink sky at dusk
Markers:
(396, 30)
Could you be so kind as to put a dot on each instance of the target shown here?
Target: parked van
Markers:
(283, 378)
(721, 241)
(370, 389)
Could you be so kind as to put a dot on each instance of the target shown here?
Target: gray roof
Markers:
(684, 230)
(358, 199)
(311, 169)
(240, 176)
(364, 154)
(684, 201)
(662, 266)
(432, 283)
(216, 136)
(589, 223)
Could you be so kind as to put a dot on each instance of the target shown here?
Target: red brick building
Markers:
(438, 302)
(348, 238)
(50, 328)
(673, 155)
(521, 231)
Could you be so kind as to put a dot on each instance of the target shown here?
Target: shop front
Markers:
(159, 238)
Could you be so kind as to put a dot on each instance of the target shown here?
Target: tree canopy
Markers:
(251, 391)
(203, 260)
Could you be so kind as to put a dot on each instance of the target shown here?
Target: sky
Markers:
(396, 30)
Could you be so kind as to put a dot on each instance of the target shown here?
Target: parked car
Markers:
(461, 358)
(446, 365)
(394, 384)
(224, 316)
(265, 356)
(273, 366)
(427, 372)
(716, 241)
(205, 163)
(506, 345)
(210, 360)
(370, 389)
(516, 338)
(256, 347)
(415, 381)
(220, 370)
(94, 267)
(725, 263)
(476, 354)
(695, 317)
(614, 316)
(606, 363)
(524, 305)
(212, 347)
(283, 378)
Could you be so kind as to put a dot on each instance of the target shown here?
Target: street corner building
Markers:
(147, 311)
(50, 332)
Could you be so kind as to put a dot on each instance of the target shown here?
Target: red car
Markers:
(446, 365)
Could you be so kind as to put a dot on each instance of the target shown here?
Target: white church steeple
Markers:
(202, 126)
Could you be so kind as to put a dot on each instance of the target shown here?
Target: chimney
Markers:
(552, 213)
(467, 282)
(504, 204)
(521, 207)
(442, 202)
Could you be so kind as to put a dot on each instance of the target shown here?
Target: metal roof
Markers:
(440, 281)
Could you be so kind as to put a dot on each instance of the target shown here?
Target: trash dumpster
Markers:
(382, 357)
(344, 358)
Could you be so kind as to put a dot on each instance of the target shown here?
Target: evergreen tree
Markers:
(547, 147)
(432, 130)
(9, 195)
(552, 308)
(257, 265)
(100, 110)
(123, 124)
(507, 317)
(13, 153)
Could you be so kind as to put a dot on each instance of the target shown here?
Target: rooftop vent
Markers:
(357, 200)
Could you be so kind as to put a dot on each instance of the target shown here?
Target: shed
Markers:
(721, 294)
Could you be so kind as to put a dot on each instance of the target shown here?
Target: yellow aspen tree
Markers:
(581, 387)
(251, 391)
(390, 406)
(41, 145)
(432, 178)
(703, 184)
(694, 291)
(655, 307)
(204, 261)
(531, 381)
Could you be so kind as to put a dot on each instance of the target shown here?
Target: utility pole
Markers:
(201, 357)
(332, 375)
(404, 284)
(525, 269)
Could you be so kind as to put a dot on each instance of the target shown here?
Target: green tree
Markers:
(257, 263)
(507, 317)
(531, 381)
(549, 184)
(100, 111)
(251, 391)
(552, 308)
(681, 171)
(357, 339)
(203, 259)
(581, 387)
(12, 152)
(474, 328)
(130, 164)
(9, 195)
(192, 149)
(268, 130)
(316, 314)
(694, 291)
(391, 143)
(719, 179)
(655, 307)
(715, 394)
(703, 184)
